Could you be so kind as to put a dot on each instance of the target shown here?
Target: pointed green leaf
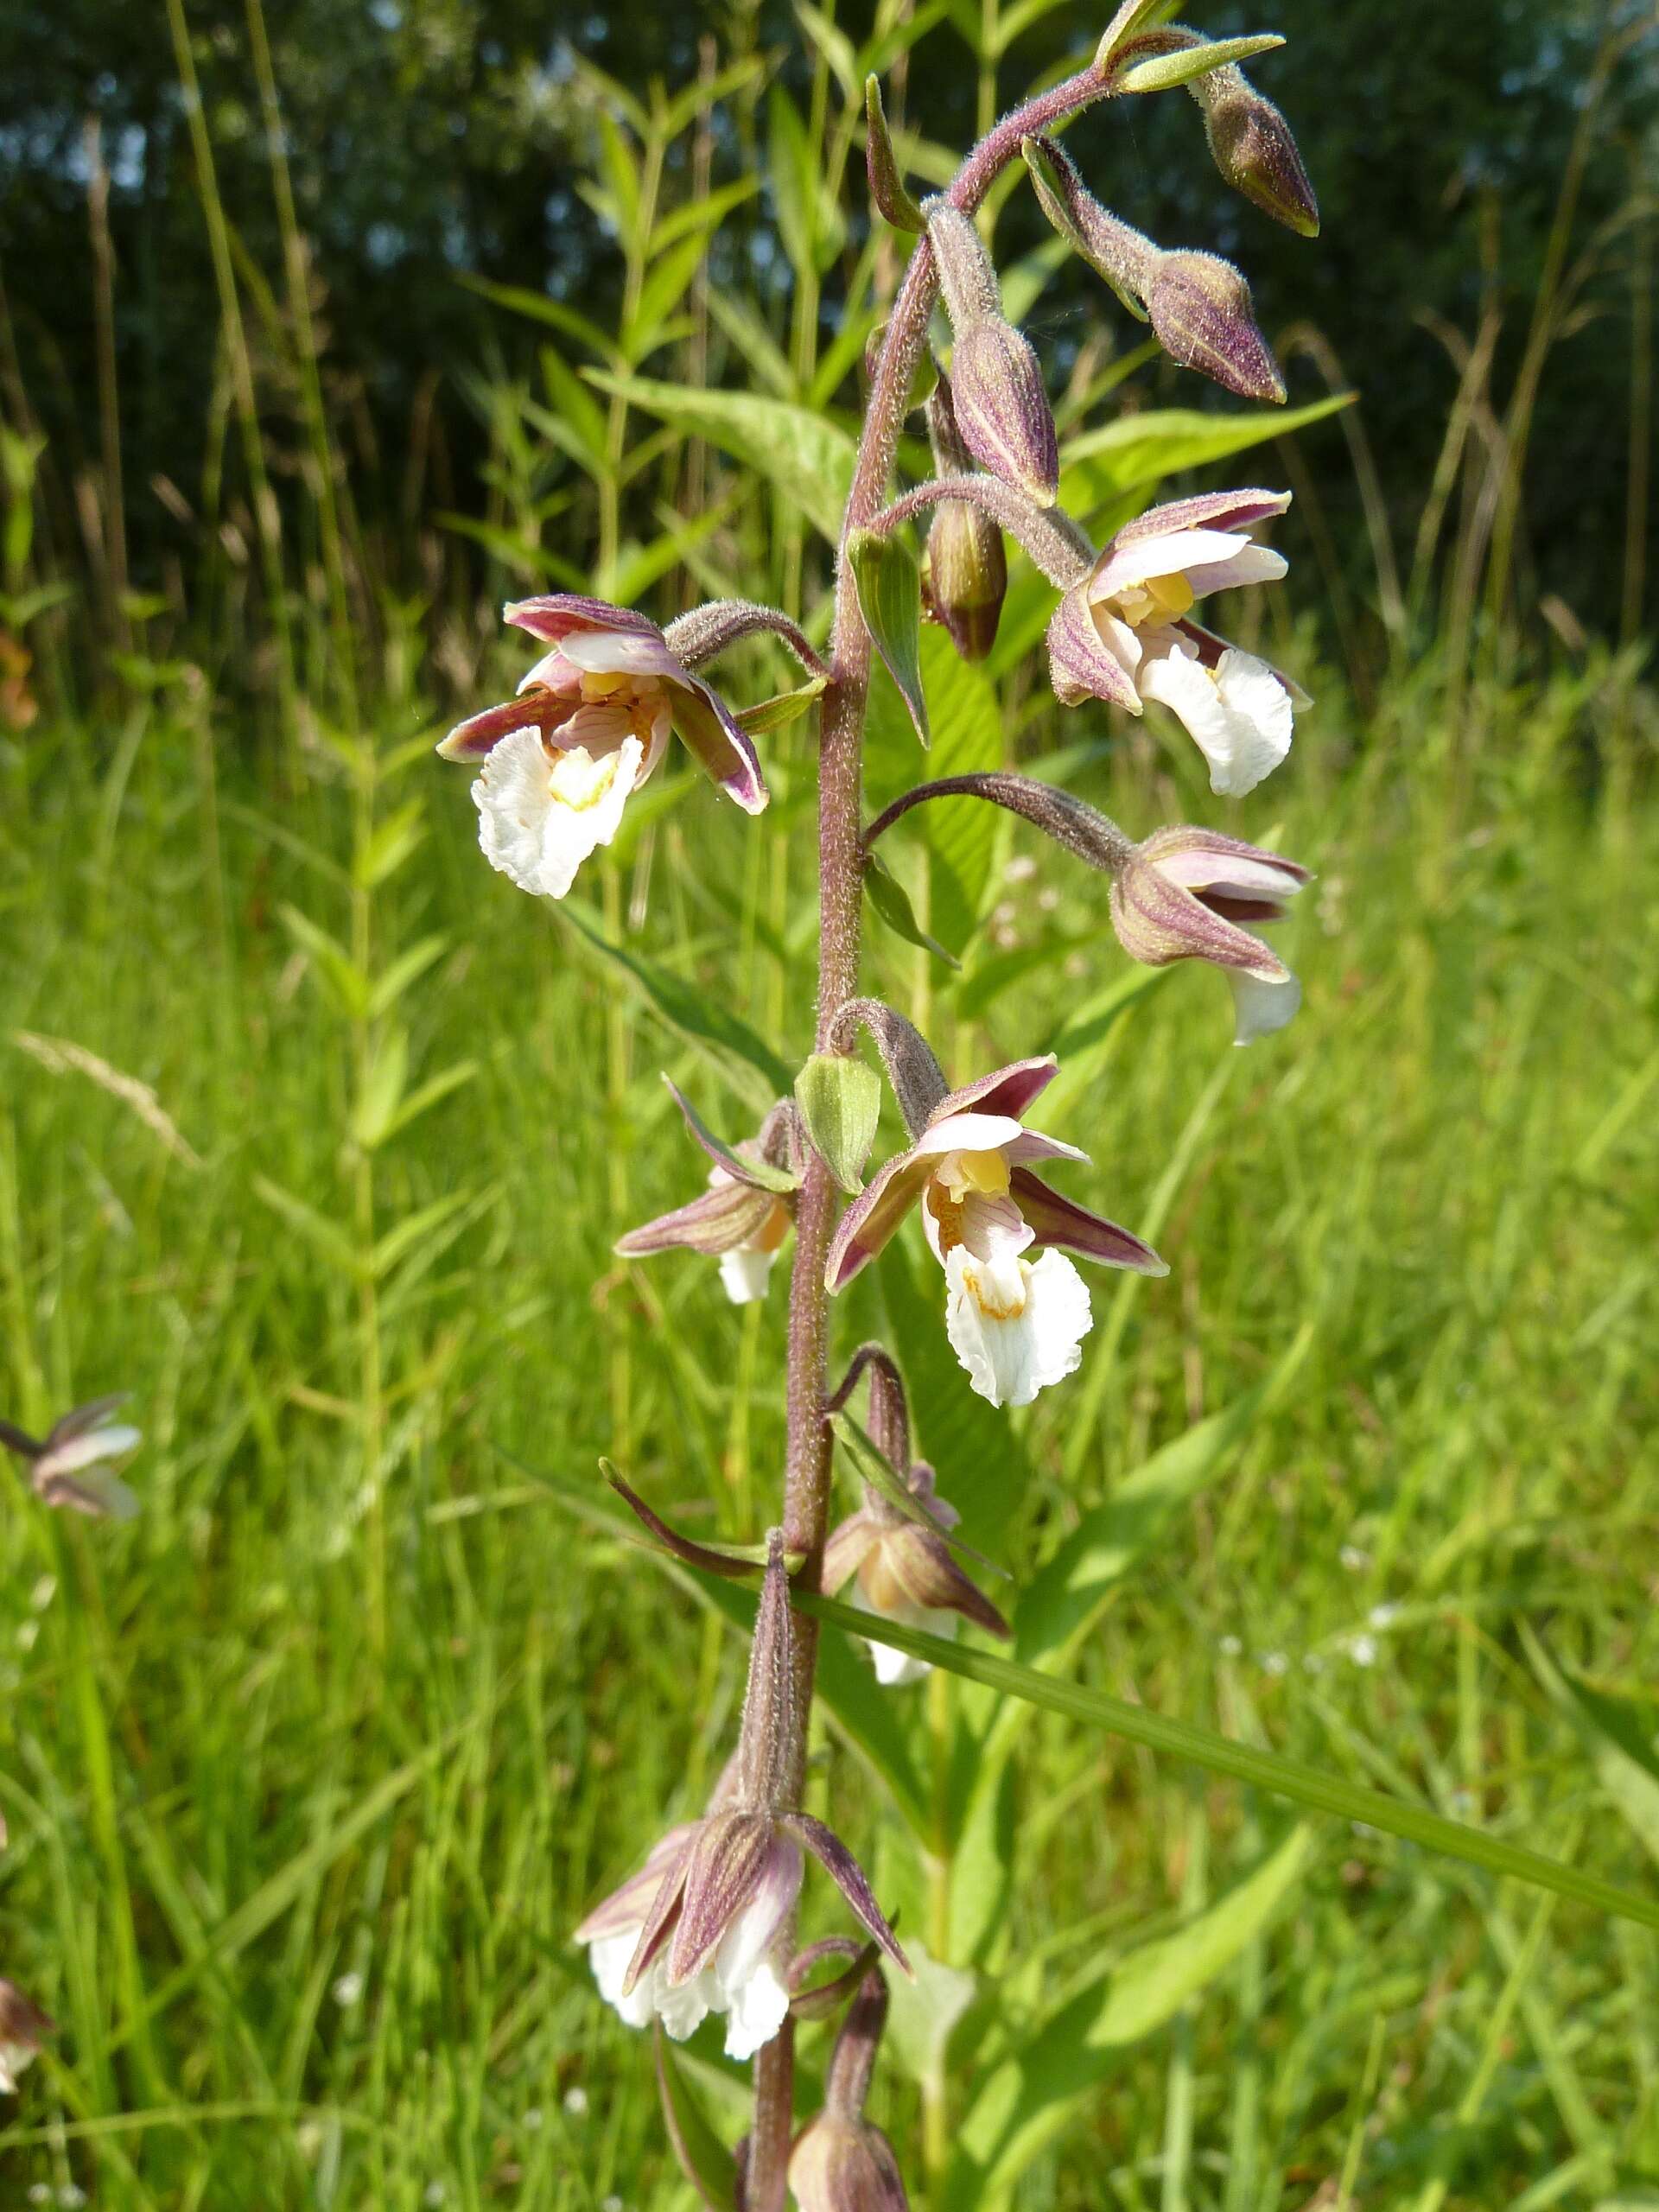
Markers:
(1618, 1734)
(1029, 2098)
(1161, 73)
(743, 1057)
(893, 203)
(889, 586)
(737, 1164)
(429, 1094)
(704, 2160)
(1320, 1788)
(383, 1083)
(341, 978)
(784, 707)
(809, 459)
(1136, 452)
(321, 1233)
(891, 902)
(871, 1465)
(400, 1241)
(840, 1101)
(393, 980)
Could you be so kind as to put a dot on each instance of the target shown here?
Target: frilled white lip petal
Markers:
(684, 2009)
(744, 1274)
(1260, 1007)
(897, 1669)
(609, 1956)
(533, 836)
(1016, 1337)
(1239, 714)
(756, 2012)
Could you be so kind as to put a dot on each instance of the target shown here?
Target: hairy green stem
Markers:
(841, 877)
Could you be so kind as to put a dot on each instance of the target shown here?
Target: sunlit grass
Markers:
(303, 1915)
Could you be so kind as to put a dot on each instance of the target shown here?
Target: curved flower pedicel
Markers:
(1123, 632)
(1016, 1324)
(1191, 894)
(589, 723)
(700, 1927)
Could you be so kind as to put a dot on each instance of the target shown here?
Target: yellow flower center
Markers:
(1160, 598)
(984, 1172)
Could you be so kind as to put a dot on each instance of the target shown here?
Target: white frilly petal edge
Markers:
(533, 838)
(1010, 1359)
(1239, 714)
(744, 1274)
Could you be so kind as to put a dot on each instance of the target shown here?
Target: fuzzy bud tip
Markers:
(1201, 309)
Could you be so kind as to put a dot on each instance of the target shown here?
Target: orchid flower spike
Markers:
(1189, 894)
(1124, 633)
(1016, 1324)
(841, 2162)
(700, 1927)
(745, 1214)
(68, 1469)
(23, 2029)
(590, 722)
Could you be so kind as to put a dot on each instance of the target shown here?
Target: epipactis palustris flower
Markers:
(23, 2029)
(700, 1929)
(743, 1217)
(1124, 633)
(903, 1571)
(1191, 894)
(69, 1468)
(1016, 1324)
(589, 723)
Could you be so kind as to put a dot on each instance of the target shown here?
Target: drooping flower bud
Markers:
(965, 571)
(745, 1214)
(1252, 146)
(1002, 410)
(840, 2162)
(1201, 309)
(1191, 894)
(23, 2029)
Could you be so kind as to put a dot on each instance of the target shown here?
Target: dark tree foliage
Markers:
(432, 138)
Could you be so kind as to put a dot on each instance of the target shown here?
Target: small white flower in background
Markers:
(70, 1468)
(1274, 1663)
(1124, 633)
(1230, 1646)
(1383, 1615)
(434, 2195)
(1361, 1649)
(23, 2029)
(576, 2103)
(70, 2197)
(348, 1991)
(1016, 1324)
(1354, 1559)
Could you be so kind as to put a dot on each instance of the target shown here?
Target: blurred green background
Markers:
(323, 332)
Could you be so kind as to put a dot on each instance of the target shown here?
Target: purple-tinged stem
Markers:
(840, 879)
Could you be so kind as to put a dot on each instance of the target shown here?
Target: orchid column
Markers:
(708, 1924)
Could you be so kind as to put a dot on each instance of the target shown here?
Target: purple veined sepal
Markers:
(700, 1929)
(1255, 149)
(1201, 309)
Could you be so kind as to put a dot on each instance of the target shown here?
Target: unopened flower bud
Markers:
(1002, 410)
(841, 2162)
(1191, 895)
(965, 572)
(1201, 309)
(967, 275)
(1252, 146)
